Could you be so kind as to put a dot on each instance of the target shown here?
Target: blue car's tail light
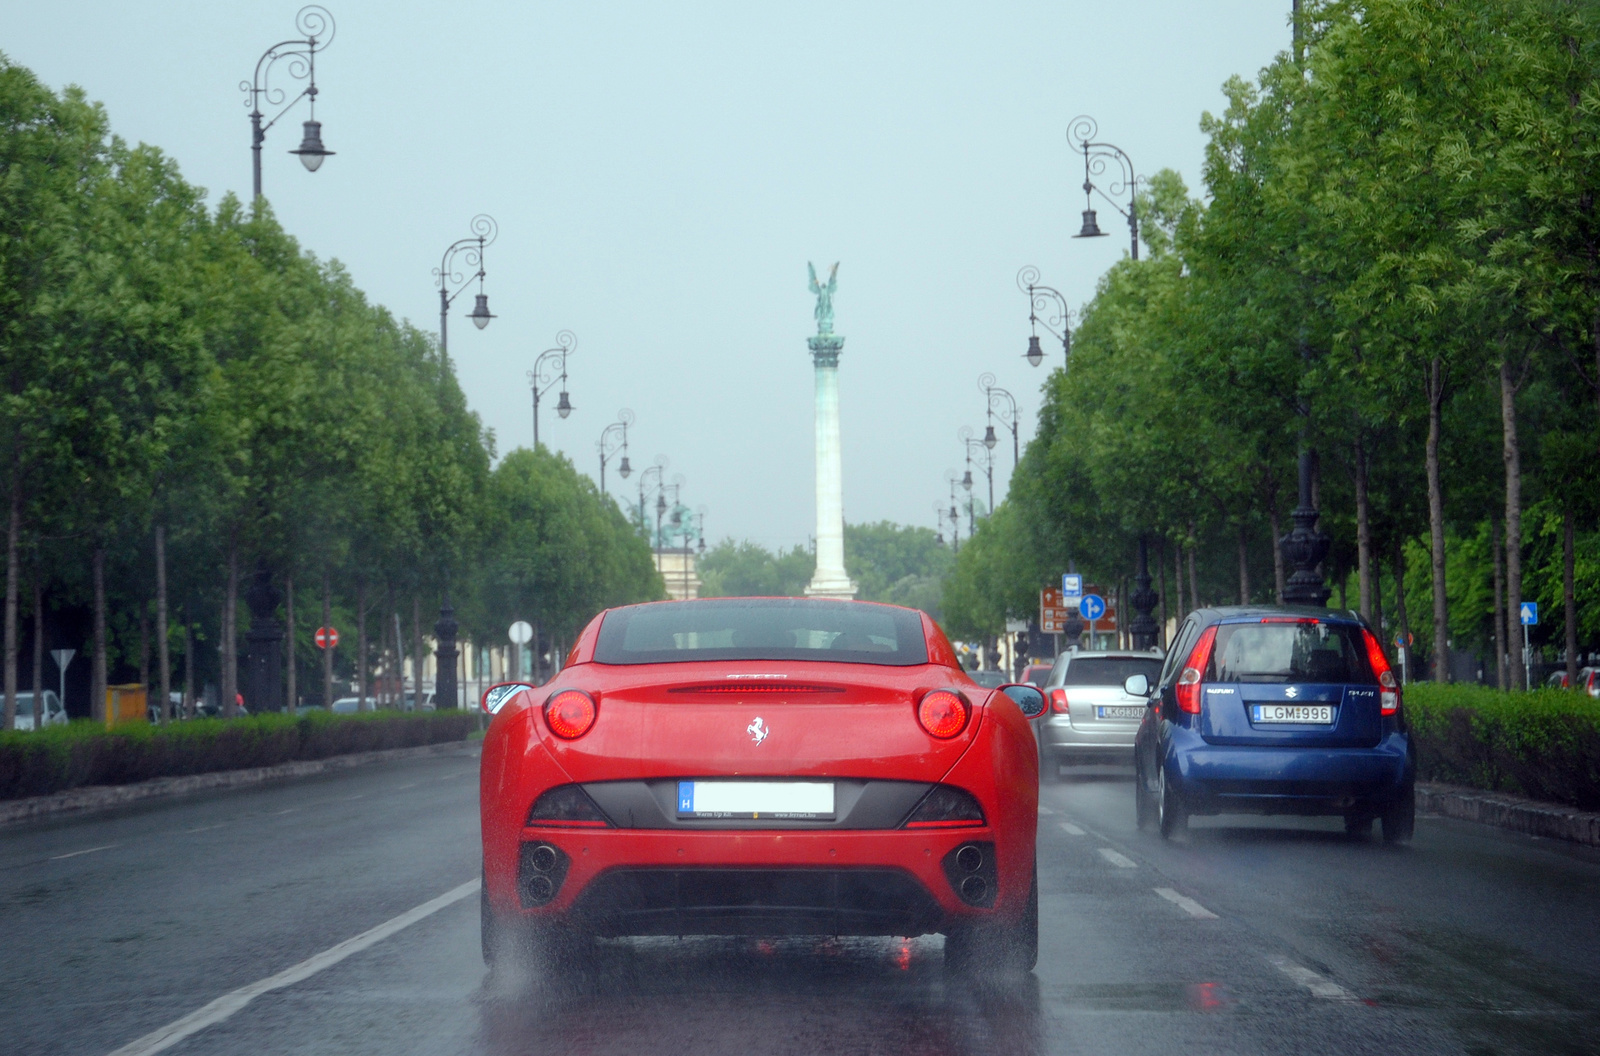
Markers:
(1388, 688)
(1188, 687)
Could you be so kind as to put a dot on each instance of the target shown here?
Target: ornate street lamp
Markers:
(1006, 411)
(470, 251)
(544, 373)
(316, 24)
(614, 438)
(1124, 181)
(650, 478)
(985, 463)
(1043, 298)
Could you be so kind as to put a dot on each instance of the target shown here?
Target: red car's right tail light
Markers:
(943, 713)
(570, 713)
(1188, 687)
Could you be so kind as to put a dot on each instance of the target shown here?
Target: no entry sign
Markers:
(326, 637)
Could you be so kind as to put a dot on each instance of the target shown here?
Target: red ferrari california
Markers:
(761, 766)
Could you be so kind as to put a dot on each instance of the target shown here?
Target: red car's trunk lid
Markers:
(810, 724)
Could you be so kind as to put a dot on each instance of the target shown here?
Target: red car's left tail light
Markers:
(570, 713)
(943, 713)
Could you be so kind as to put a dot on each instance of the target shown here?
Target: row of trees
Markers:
(192, 402)
(1397, 263)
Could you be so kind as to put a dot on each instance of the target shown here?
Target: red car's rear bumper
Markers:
(624, 881)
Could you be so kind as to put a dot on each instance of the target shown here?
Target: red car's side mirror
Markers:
(495, 697)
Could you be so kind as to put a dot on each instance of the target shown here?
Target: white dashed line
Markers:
(1045, 810)
(1319, 987)
(1071, 829)
(229, 1003)
(397, 788)
(205, 828)
(281, 813)
(1121, 861)
(1187, 904)
(87, 850)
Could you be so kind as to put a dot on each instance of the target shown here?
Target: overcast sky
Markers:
(661, 174)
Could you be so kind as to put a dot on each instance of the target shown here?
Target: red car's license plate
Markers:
(808, 800)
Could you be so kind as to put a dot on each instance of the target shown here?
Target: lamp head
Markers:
(480, 314)
(563, 405)
(989, 439)
(661, 503)
(625, 469)
(1091, 226)
(1035, 354)
(966, 480)
(311, 150)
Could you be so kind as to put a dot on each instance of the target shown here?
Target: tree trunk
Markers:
(327, 653)
(361, 645)
(1568, 595)
(188, 668)
(144, 654)
(1501, 675)
(1194, 583)
(163, 657)
(97, 663)
(1244, 565)
(1441, 604)
(416, 649)
(1513, 459)
(1377, 603)
(1278, 574)
(1161, 571)
(384, 699)
(38, 654)
(13, 585)
(290, 687)
(1402, 625)
(1177, 578)
(1363, 534)
(230, 637)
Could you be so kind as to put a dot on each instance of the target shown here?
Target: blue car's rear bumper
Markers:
(1229, 779)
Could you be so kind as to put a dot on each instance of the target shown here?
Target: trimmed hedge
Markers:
(1544, 744)
(84, 753)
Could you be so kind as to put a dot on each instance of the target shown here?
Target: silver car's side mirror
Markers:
(495, 697)
(1136, 686)
(1029, 698)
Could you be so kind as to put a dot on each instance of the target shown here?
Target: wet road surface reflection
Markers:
(727, 995)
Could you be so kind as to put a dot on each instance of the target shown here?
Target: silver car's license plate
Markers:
(1304, 714)
(1119, 711)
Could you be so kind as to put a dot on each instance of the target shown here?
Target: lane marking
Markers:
(397, 788)
(209, 1015)
(1121, 861)
(205, 828)
(1071, 829)
(281, 813)
(358, 795)
(87, 850)
(1045, 810)
(1187, 904)
(1318, 985)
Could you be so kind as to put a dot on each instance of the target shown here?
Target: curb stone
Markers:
(1526, 816)
(101, 797)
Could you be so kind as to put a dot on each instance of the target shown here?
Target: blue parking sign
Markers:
(1092, 607)
(1530, 613)
(1072, 584)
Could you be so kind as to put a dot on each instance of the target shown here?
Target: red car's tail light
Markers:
(946, 807)
(943, 713)
(570, 713)
(1058, 701)
(1388, 688)
(567, 806)
(1188, 687)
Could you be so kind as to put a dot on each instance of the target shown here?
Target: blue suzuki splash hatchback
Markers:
(1275, 710)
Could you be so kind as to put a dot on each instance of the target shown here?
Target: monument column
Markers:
(830, 579)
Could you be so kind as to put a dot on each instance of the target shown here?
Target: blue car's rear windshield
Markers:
(1289, 652)
(762, 629)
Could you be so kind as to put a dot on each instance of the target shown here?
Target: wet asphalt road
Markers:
(1273, 936)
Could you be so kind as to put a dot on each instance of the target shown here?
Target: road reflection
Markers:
(714, 996)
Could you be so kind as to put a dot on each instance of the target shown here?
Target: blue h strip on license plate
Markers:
(685, 797)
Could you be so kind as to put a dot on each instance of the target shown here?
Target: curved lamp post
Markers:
(957, 480)
(1006, 411)
(1124, 180)
(985, 461)
(939, 516)
(1043, 298)
(650, 478)
(614, 438)
(544, 373)
(470, 252)
(316, 23)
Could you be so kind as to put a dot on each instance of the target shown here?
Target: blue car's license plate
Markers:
(1303, 714)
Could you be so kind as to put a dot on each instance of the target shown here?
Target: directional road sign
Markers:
(1092, 606)
(1530, 613)
(326, 637)
(520, 633)
(1072, 584)
(1403, 639)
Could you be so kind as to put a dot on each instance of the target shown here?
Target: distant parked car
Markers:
(1092, 717)
(1588, 681)
(1036, 674)
(410, 703)
(351, 705)
(54, 713)
(1275, 710)
(986, 679)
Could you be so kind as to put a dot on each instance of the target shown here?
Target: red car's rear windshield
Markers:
(762, 629)
(1289, 652)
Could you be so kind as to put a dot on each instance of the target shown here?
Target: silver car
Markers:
(1091, 718)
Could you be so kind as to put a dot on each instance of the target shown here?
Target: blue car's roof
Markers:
(1243, 613)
